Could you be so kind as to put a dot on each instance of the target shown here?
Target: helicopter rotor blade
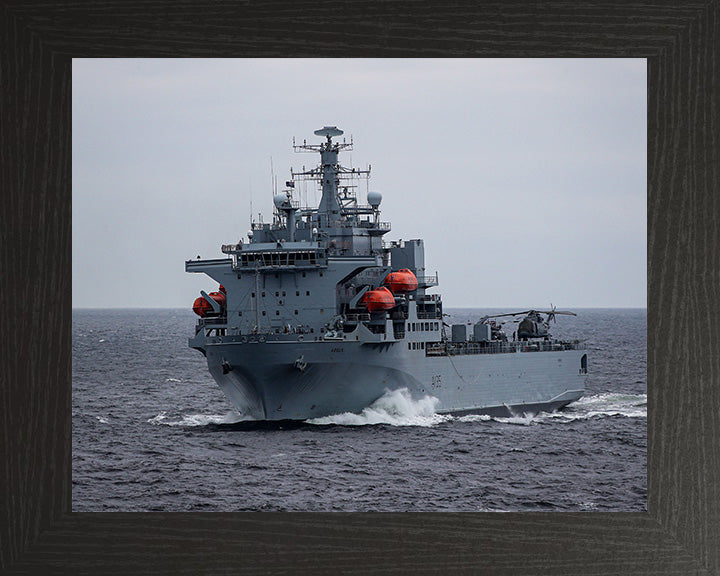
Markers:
(508, 314)
(551, 315)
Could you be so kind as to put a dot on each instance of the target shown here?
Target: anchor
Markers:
(300, 363)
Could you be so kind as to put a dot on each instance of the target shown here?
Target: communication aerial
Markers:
(329, 131)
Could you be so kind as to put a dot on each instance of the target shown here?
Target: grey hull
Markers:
(298, 381)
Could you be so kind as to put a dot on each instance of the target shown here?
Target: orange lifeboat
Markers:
(401, 281)
(222, 289)
(379, 299)
(203, 308)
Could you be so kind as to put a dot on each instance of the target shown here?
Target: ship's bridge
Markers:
(268, 255)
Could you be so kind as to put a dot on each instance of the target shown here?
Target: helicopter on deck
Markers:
(533, 325)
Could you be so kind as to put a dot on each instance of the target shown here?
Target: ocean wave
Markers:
(602, 406)
(396, 408)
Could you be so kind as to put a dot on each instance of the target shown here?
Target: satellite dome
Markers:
(374, 199)
(279, 200)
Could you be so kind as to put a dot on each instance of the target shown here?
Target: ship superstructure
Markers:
(317, 315)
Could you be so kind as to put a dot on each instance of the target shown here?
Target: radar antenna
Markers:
(329, 131)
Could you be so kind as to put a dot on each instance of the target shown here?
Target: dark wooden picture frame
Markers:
(680, 532)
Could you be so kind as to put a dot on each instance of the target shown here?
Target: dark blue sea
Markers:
(152, 432)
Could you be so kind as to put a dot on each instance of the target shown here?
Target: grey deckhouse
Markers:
(307, 270)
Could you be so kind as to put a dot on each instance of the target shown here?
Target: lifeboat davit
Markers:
(401, 282)
(203, 308)
(378, 299)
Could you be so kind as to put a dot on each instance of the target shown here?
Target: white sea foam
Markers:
(396, 408)
(474, 418)
(604, 405)
(526, 419)
(158, 419)
(192, 420)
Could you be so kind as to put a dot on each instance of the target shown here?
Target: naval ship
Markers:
(316, 314)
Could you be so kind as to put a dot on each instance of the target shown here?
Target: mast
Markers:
(329, 173)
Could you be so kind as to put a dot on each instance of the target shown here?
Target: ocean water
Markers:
(152, 432)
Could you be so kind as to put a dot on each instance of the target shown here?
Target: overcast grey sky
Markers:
(525, 178)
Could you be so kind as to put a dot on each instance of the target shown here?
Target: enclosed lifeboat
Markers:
(203, 308)
(401, 282)
(378, 299)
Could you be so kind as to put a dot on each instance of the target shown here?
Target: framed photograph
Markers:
(42, 533)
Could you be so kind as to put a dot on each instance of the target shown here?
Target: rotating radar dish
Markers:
(329, 131)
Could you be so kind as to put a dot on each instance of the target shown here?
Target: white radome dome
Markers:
(374, 199)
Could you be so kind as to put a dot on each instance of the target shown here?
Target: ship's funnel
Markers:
(284, 203)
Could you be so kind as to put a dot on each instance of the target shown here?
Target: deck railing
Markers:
(427, 281)
(464, 348)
